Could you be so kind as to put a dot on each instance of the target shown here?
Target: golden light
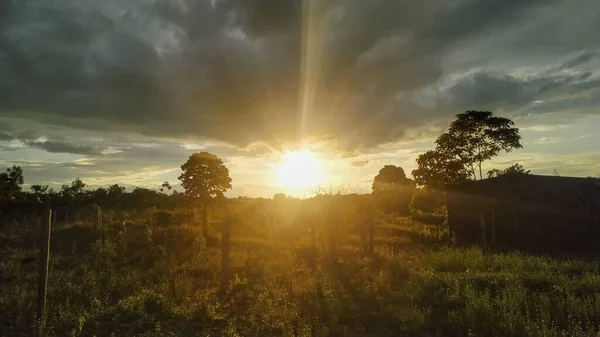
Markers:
(299, 169)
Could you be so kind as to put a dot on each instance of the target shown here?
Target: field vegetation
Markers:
(144, 278)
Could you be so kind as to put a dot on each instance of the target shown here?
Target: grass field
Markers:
(163, 282)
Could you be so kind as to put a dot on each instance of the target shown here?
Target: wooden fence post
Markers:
(225, 250)
(43, 272)
(483, 231)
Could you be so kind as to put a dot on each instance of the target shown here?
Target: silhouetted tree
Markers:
(514, 169)
(111, 197)
(100, 196)
(41, 192)
(10, 183)
(142, 198)
(392, 189)
(115, 193)
(73, 196)
(471, 139)
(280, 196)
(390, 177)
(437, 169)
(204, 176)
(114, 190)
(165, 187)
(76, 189)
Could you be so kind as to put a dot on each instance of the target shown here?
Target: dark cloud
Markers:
(580, 59)
(6, 136)
(53, 141)
(60, 147)
(486, 91)
(242, 71)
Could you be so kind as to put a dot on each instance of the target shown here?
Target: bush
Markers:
(428, 206)
(394, 201)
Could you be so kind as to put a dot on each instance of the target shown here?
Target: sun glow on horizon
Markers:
(299, 170)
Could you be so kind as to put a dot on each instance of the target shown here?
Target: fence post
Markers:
(483, 231)
(225, 250)
(43, 272)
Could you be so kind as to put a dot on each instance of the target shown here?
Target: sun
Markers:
(299, 170)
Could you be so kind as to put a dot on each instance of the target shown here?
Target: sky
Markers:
(124, 92)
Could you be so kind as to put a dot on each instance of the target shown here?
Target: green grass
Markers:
(163, 282)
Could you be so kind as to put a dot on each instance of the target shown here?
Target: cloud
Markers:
(539, 93)
(246, 71)
(548, 140)
(60, 147)
(580, 59)
(6, 136)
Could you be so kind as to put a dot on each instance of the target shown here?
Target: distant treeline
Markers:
(74, 196)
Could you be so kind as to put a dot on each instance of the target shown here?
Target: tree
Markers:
(115, 190)
(392, 189)
(165, 186)
(280, 196)
(73, 196)
(10, 183)
(204, 177)
(472, 138)
(390, 177)
(437, 169)
(41, 192)
(514, 169)
(75, 191)
(142, 198)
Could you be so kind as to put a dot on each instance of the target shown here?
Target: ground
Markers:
(149, 281)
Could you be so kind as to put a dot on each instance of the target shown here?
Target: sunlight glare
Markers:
(298, 170)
